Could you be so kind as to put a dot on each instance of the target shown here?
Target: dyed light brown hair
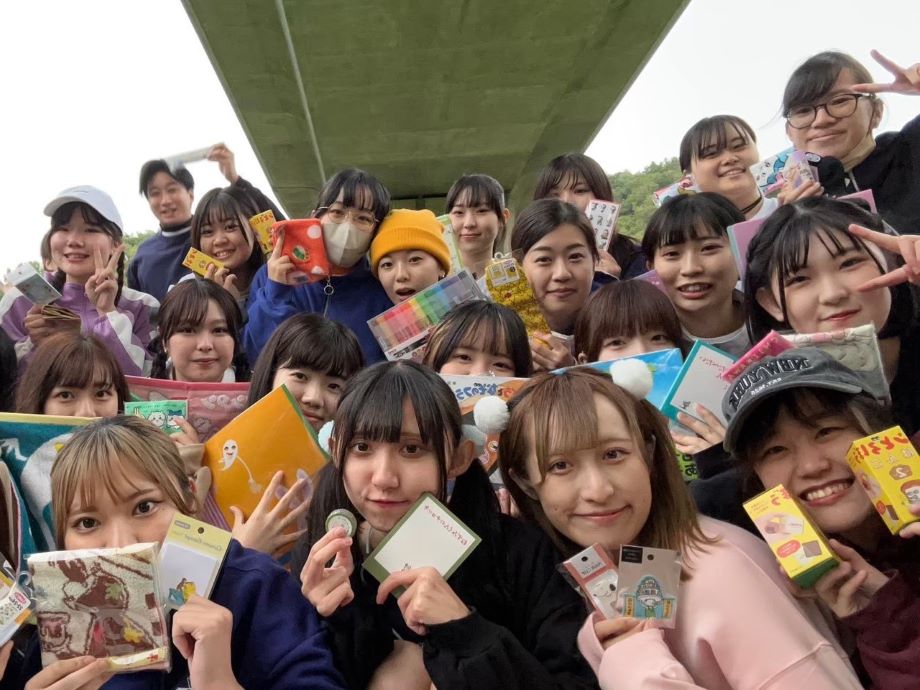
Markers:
(544, 421)
(100, 451)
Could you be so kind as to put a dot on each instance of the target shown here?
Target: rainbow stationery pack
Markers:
(402, 330)
(798, 544)
(887, 466)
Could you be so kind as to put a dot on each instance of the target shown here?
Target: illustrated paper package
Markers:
(29, 444)
(469, 390)
(190, 560)
(33, 285)
(592, 571)
(198, 262)
(699, 382)
(161, 413)
(798, 544)
(261, 225)
(210, 405)
(887, 466)
(856, 348)
(740, 236)
(649, 580)
(770, 345)
(450, 238)
(15, 601)
(603, 218)
(103, 603)
(268, 437)
(507, 285)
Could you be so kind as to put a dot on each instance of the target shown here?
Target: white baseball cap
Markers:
(91, 196)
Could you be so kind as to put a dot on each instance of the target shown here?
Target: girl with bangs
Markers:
(576, 179)
(72, 375)
(220, 229)
(397, 435)
(119, 482)
(796, 431)
(351, 206)
(718, 153)
(480, 339)
(607, 476)
(832, 108)
(686, 242)
(814, 267)
(198, 336)
(85, 246)
(476, 206)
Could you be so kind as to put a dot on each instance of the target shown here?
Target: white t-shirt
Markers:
(735, 343)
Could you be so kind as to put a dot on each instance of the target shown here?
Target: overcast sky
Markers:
(92, 89)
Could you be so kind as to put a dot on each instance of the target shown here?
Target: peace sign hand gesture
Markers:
(905, 245)
(102, 286)
(906, 79)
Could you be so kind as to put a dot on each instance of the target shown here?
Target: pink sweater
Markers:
(738, 628)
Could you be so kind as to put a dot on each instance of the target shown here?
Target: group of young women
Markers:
(585, 458)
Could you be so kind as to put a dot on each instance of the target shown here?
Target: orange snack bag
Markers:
(303, 242)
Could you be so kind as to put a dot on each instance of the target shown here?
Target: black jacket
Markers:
(521, 634)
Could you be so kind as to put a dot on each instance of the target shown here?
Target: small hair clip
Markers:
(632, 375)
(491, 414)
(325, 435)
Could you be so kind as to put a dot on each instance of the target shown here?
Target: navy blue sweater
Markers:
(278, 641)
(354, 298)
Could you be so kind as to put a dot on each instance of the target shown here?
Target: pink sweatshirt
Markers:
(738, 628)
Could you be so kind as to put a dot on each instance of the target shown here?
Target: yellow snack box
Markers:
(261, 225)
(887, 466)
(507, 285)
(197, 262)
(799, 546)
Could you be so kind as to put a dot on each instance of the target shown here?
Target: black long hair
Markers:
(371, 408)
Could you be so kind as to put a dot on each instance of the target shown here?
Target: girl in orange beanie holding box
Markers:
(409, 253)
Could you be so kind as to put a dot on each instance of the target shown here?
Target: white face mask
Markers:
(345, 244)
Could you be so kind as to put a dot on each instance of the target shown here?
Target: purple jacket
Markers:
(126, 332)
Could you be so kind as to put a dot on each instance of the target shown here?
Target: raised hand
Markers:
(36, 325)
(548, 353)
(201, 632)
(281, 268)
(224, 278)
(709, 432)
(329, 588)
(906, 79)
(102, 286)
(428, 599)
(848, 588)
(225, 160)
(265, 529)
(906, 246)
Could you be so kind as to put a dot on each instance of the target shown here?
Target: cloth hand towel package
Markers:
(103, 603)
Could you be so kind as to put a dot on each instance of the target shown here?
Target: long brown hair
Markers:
(556, 411)
(71, 359)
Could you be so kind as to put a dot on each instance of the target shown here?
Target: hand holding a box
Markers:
(201, 631)
(548, 353)
(428, 599)
(328, 589)
(848, 588)
(37, 326)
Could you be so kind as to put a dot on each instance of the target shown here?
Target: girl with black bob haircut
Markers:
(505, 619)
(808, 267)
(576, 179)
(480, 338)
(350, 207)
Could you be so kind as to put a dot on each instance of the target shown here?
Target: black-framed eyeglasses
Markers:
(363, 220)
(840, 106)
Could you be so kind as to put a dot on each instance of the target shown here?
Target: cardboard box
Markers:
(887, 466)
(799, 546)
